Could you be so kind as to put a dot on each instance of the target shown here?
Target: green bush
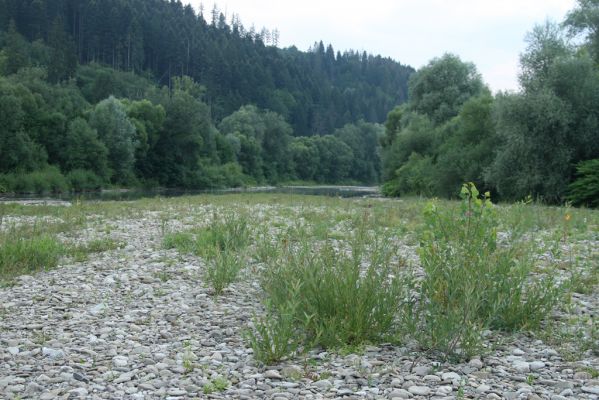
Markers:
(83, 180)
(584, 191)
(337, 299)
(47, 180)
(415, 177)
(275, 335)
(222, 269)
(473, 283)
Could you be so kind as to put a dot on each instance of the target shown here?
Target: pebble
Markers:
(423, 370)
(323, 385)
(419, 390)
(483, 389)
(400, 394)
(120, 361)
(536, 365)
(272, 374)
(139, 323)
(522, 366)
(591, 389)
(52, 353)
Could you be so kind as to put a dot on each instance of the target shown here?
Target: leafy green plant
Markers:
(472, 282)
(344, 298)
(232, 232)
(274, 335)
(218, 384)
(266, 247)
(222, 269)
(585, 189)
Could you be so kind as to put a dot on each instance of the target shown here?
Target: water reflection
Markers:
(135, 194)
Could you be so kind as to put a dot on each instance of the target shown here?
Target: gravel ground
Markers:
(138, 323)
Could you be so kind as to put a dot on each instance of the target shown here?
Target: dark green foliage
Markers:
(185, 138)
(363, 138)
(48, 180)
(550, 127)
(584, 191)
(63, 60)
(584, 19)
(316, 91)
(130, 91)
(14, 53)
(439, 89)
(416, 176)
(531, 161)
(84, 150)
(516, 144)
(440, 137)
(468, 149)
(81, 180)
(335, 159)
(117, 133)
(19, 151)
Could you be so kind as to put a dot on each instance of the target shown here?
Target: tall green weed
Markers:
(472, 282)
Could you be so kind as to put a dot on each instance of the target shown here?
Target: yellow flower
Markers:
(567, 217)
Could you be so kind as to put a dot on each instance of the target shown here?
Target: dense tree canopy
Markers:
(316, 91)
(516, 144)
(147, 91)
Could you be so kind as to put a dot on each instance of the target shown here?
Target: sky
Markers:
(489, 33)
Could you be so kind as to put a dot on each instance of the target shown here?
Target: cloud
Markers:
(489, 33)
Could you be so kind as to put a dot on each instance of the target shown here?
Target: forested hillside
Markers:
(131, 92)
(315, 91)
(542, 141)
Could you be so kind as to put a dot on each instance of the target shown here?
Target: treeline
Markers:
(86, 102)
(542, 141)
(315, 91)
(53, 139)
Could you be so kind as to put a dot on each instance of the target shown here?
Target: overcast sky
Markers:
(489, 33)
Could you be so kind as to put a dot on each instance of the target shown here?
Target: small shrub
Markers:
(222, 269)
(344, 298)
(218, 384)
(83, 180)
(275, 335)
(472, 283)
(266, 248)
(230, 233)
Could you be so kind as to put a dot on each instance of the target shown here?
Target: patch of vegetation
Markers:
(222, 269)
(218, 384)
(81, 253)
(473, 283)
(231, 232)
(585, 189)
(21, 255)
(325, 297)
